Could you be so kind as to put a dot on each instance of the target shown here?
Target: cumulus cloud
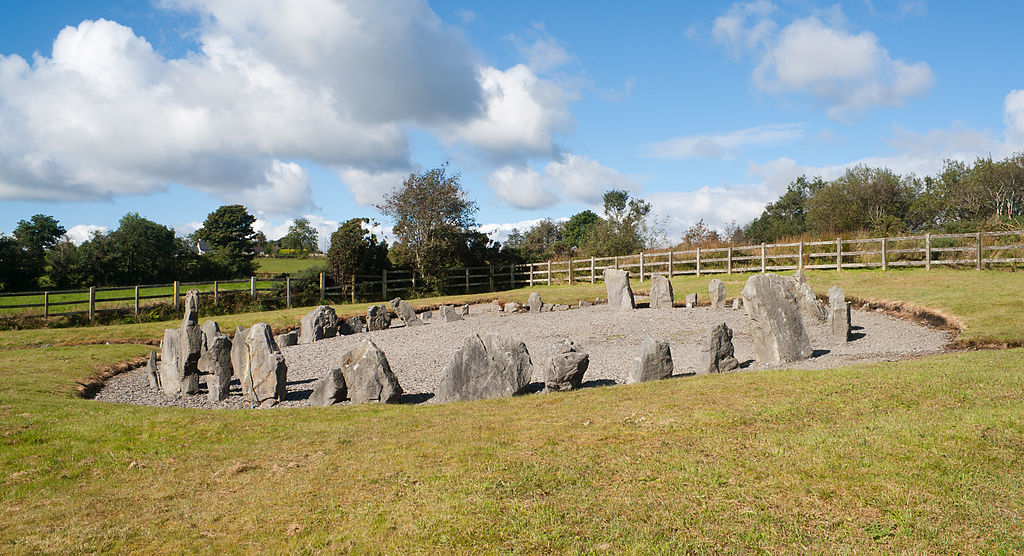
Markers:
(717, 206)
(83, 232)
(725, 144)
(849, 72)
(572, 177)
(501, 231)
(369, 186)
(540, 50)
(1013, 110)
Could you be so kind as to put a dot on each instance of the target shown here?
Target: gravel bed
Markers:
(611, 337)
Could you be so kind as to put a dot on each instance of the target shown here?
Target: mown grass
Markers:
(275, 265)
(913, 456)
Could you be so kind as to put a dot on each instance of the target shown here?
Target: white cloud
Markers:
(540, 50)
(83, 232)
(467, 16)
(724, 144)
(285, 190)
(1013, 109)
(717, 206)
(851, 73)
(500, 231)
(368, 186)
(523, 113)
(573, 177)
(185, 230)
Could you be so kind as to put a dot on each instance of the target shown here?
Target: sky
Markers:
(318, 108)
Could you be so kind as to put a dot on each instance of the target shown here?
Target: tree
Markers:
(624, 230)
(26, 251)
(229, 232)
(355, 250)
(787, 216)
(579, 226)
(433, 217)
(543, 241)
(16, 271)
(301, 236)
(143, 251)
(38, 234)
(701, 235)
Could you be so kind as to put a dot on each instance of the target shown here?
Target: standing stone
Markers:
(464, 310)
(329, 389)
(368, 375)
(839, 315)
(210, 329)
(449, 314)
(654, 362)
(805, 295)
(426, 315)
(216, 364)
(716, 290)
(351, 325)
(378, 318)
(777, 327)
(661, 292)
(259, 366)
(620, 295)
(318, 324)
(485, 366)
(405, 312)
(287, 339)
(566, 367)
(153, 371)
(191, 307)
(717, 352)
(511, 307)
(691, 300)
(173, 381)
(535, 303)
(736, 304)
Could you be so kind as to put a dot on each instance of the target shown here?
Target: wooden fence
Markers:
(973, 250)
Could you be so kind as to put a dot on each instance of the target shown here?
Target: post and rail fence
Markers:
(967, 250)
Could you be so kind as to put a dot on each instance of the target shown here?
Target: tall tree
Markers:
(229, 232)
(301, 236)
(32, 239)
(626, 228)
(433, 216)
(145, 252)
(355, 250)
(576, 229)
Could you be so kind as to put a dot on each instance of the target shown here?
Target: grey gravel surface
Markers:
(611, 337)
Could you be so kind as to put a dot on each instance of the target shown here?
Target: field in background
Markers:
(913, 456)
(273, 265)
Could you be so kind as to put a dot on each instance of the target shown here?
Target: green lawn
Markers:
(914, 456)
(274, 265)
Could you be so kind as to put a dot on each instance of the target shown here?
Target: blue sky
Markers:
(317, 108)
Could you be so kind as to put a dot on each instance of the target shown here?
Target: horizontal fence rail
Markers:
(970, 250)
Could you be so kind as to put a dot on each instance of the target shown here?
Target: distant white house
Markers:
(202, 247)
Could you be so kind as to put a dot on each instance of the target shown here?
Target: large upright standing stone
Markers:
(259, 365)
(691, 300)
(535, 303)
(180, 351)
(566, 367)
(329, 389)
(191, 307)
(318, 324)
(620, 295)
(215, 363)
(777, 327)
(368, 375)
(378, 318)
(839, 315)
(654, 362)
(805, 295)
(485, 366)
(405, 312)
(661, 292)
(716, 290)
(717, 353)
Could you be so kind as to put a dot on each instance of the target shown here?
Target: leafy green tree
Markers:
(543, 241)
(38, 234)
(16, 270)
(355, 251)
(433, 218)
(143, 251)
(228, 230)
(301, 236)
(576, 229)
(25, 258)
(701, 235)
(625, 229)
(787, 216)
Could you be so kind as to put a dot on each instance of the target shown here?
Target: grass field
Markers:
(274, 265)
(914, 456)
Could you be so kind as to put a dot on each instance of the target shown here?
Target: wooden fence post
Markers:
(252, 286)
(593, 275)
(839, 254)
(413, 274)
(549, 273)
(46, 303)
(384, 284)
(698, 262)
(92, 302)
(216, 293)
(800, 256)
(136, 301)
(671, 256)
(531, 274)
(616, 262)
(512, 276)
(885, 254)
(490, 276)
(174, 302)
(728, 261)
(763, 260)
(353, 289)
(570, 271)
(928, 251)
(978, 267)
(288, 291)
(467, 279)
(641, 266)
(322, 285)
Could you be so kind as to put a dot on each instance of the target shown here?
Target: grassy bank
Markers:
(913, 456)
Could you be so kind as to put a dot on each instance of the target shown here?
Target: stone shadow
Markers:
(413, 399)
